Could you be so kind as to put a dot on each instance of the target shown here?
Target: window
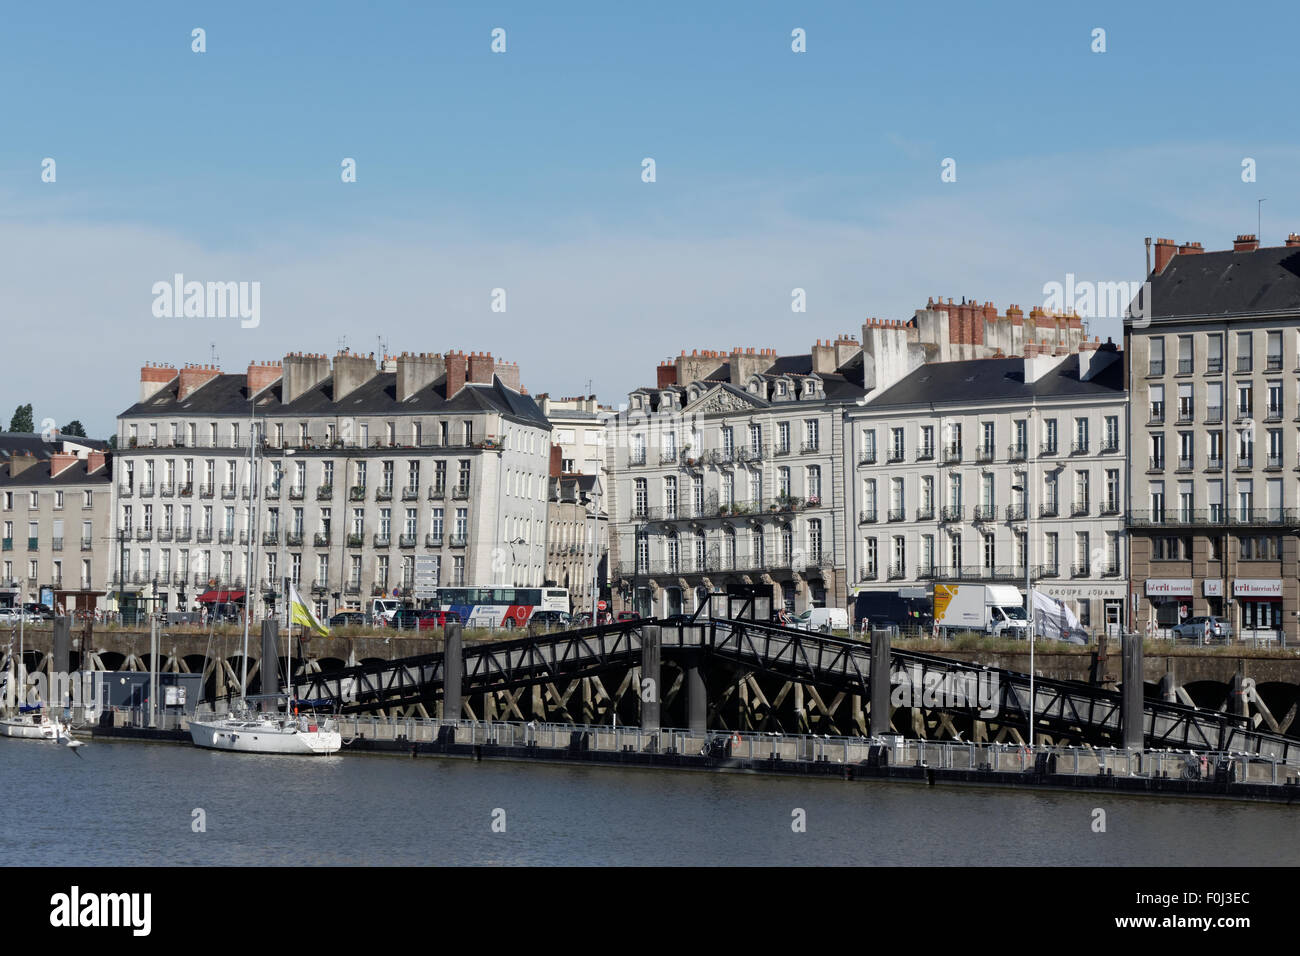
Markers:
(670, 497)
(1112, 490)
(869, 445)
(783, 437)
(869, 558)
(1052, 551)
(1157, 404)
(987, 448)
(1185, 445)
(927, 442)
(895, 444)
(990, 552)
(812, 441)
(815, 540)
(1214, 353)
(1244, 357)
(1214, 500)
(1157, 450)
(1245, 448)
(783, 482)
(1185, 366)
(1156, 362)
(1186, 404)
(1050, 441)
(954, 551)
(1274, 353)
(813, 480)
(898, 559)
(1157, 490)
(1112, 433)
(1081, 434)
(1021, 447)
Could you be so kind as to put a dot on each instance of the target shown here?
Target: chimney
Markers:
(303, 371)
(59, 461)
(846, 346)
(20, 463)
(95, 461)
(667, 375)
(508, 372)
(1094, 360)
(698, 366)
(194, 377)
(1190, 249)
(557, 461)
(416, 372)
(1247, 242)
(351, 371)
(1165, 250)
(262, 374)
(153, 378)
(1039, 363)
(456, 364)
(481, 368)
(747, 362)
(1293, 240)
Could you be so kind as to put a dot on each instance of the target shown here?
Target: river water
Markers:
(132, 803)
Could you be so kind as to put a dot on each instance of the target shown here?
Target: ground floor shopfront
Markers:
(1257, 609)
(664, 596)
(1099, 607)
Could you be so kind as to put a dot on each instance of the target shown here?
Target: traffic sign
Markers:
(602, 606)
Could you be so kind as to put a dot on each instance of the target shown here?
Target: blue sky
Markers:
(521, 171)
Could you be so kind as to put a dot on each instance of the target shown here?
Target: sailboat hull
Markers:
(264, 737)
(29, 730)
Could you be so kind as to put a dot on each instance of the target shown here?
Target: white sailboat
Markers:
(23, 721)
(246, 730)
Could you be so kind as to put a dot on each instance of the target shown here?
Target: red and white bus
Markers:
(500, 607)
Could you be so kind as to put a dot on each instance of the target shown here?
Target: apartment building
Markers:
(1214, 375)
(55, 509)
(968, 471)
(725, 478)
(577, 538)
(357, 468)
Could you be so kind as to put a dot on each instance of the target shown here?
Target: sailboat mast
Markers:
(248, 566)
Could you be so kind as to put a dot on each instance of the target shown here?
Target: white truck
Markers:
(996, 609)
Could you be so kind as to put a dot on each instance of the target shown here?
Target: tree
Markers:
(74, 428)
(22, 420)
(112, 442)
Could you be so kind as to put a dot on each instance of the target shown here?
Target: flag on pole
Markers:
(300, 612)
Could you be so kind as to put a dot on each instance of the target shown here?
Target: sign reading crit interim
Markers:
(1257, 587)
(1169, 587)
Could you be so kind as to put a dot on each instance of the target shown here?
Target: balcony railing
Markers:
(357, 493)
(1079, 448)
(460, 492)
(293, 539)
(951, 513)
(986, 512)
(1081, 570)
(1156, 367)
(355, 540)
(1214, 463)
(353, 586)
(146, 491)
(227, 491)
(1243, 412)
(437, 492)
(1213, 414)
(1156, 463)
(141, 534)
(87, 544)
(1214, 366)
(271, 492)
(1048, 509)
(1016, 512)
(457, 541)
(925, 453)
(321, 539)
(1185, 366)
(1243, 364)
(810, 447)
(952, 455)
(636, 458)
(382, 540)
(183, 533)
(410, 493)
(206, 491)
(166, 490)
(226, 537)
(433, 540)
(867, 458)
(1110, 508)
(325, 493)
(164, 534)
(270, 539)
(1017, 452)
(406, 541)
(985, 453)
(667, 456)
(1110, 571)
(296, 492)
(897, 514)
(1244, 463)
(1185, 464)
(1273, 461)
(1047, 448)
(1047, 571)
(925, 513)
(384, 493)
(867, 516)
(897, 571)
(1109, 445)
(895, 456)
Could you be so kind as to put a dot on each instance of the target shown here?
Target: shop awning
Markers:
(220, 597)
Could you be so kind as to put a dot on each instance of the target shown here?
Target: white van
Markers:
(383, 609)
(827, 619)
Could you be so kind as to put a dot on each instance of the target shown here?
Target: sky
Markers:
(523, 171)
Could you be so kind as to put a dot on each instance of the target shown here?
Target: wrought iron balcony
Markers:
(1047, 448)
(325, 493)
(458, 541)
(897, 571)
(925, 453)
(1017, 452)
(270, 539)
(985, 454)
(321, 539)
(206, 491)
(952, 455)
(293, 539)
(1081, 570)
(951, 513)
(1079, 448)
(226, 537)
(460, 492)
(406, 541)
(867, 516)
(87, 544)
(166, 490)
(1156, 463)
(433, 541)
(1079, 509)
(437, 492)
(897, 514)
(1048, 509)
(357, 493)
(164, 534)
(1109, 445)
(228, 491)
(141, 534)
(382, 541)
(410, 493)
(183, 533)
(636, 458)
(867, 458)
(925, 513)
(1016, 512)
(355, 540)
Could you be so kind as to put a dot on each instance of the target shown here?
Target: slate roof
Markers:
(1221, 284)
(842, 385)
(38, 475)
(980, 381)
(228, 395)
(18, 443)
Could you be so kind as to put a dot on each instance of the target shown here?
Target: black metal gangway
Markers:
(838, 664)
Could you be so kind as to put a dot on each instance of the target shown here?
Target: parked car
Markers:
(628, 616)
(412, 619)
(550, 619)
(38, 610)
(1194, 628)
(12, 615)
(348, 619)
